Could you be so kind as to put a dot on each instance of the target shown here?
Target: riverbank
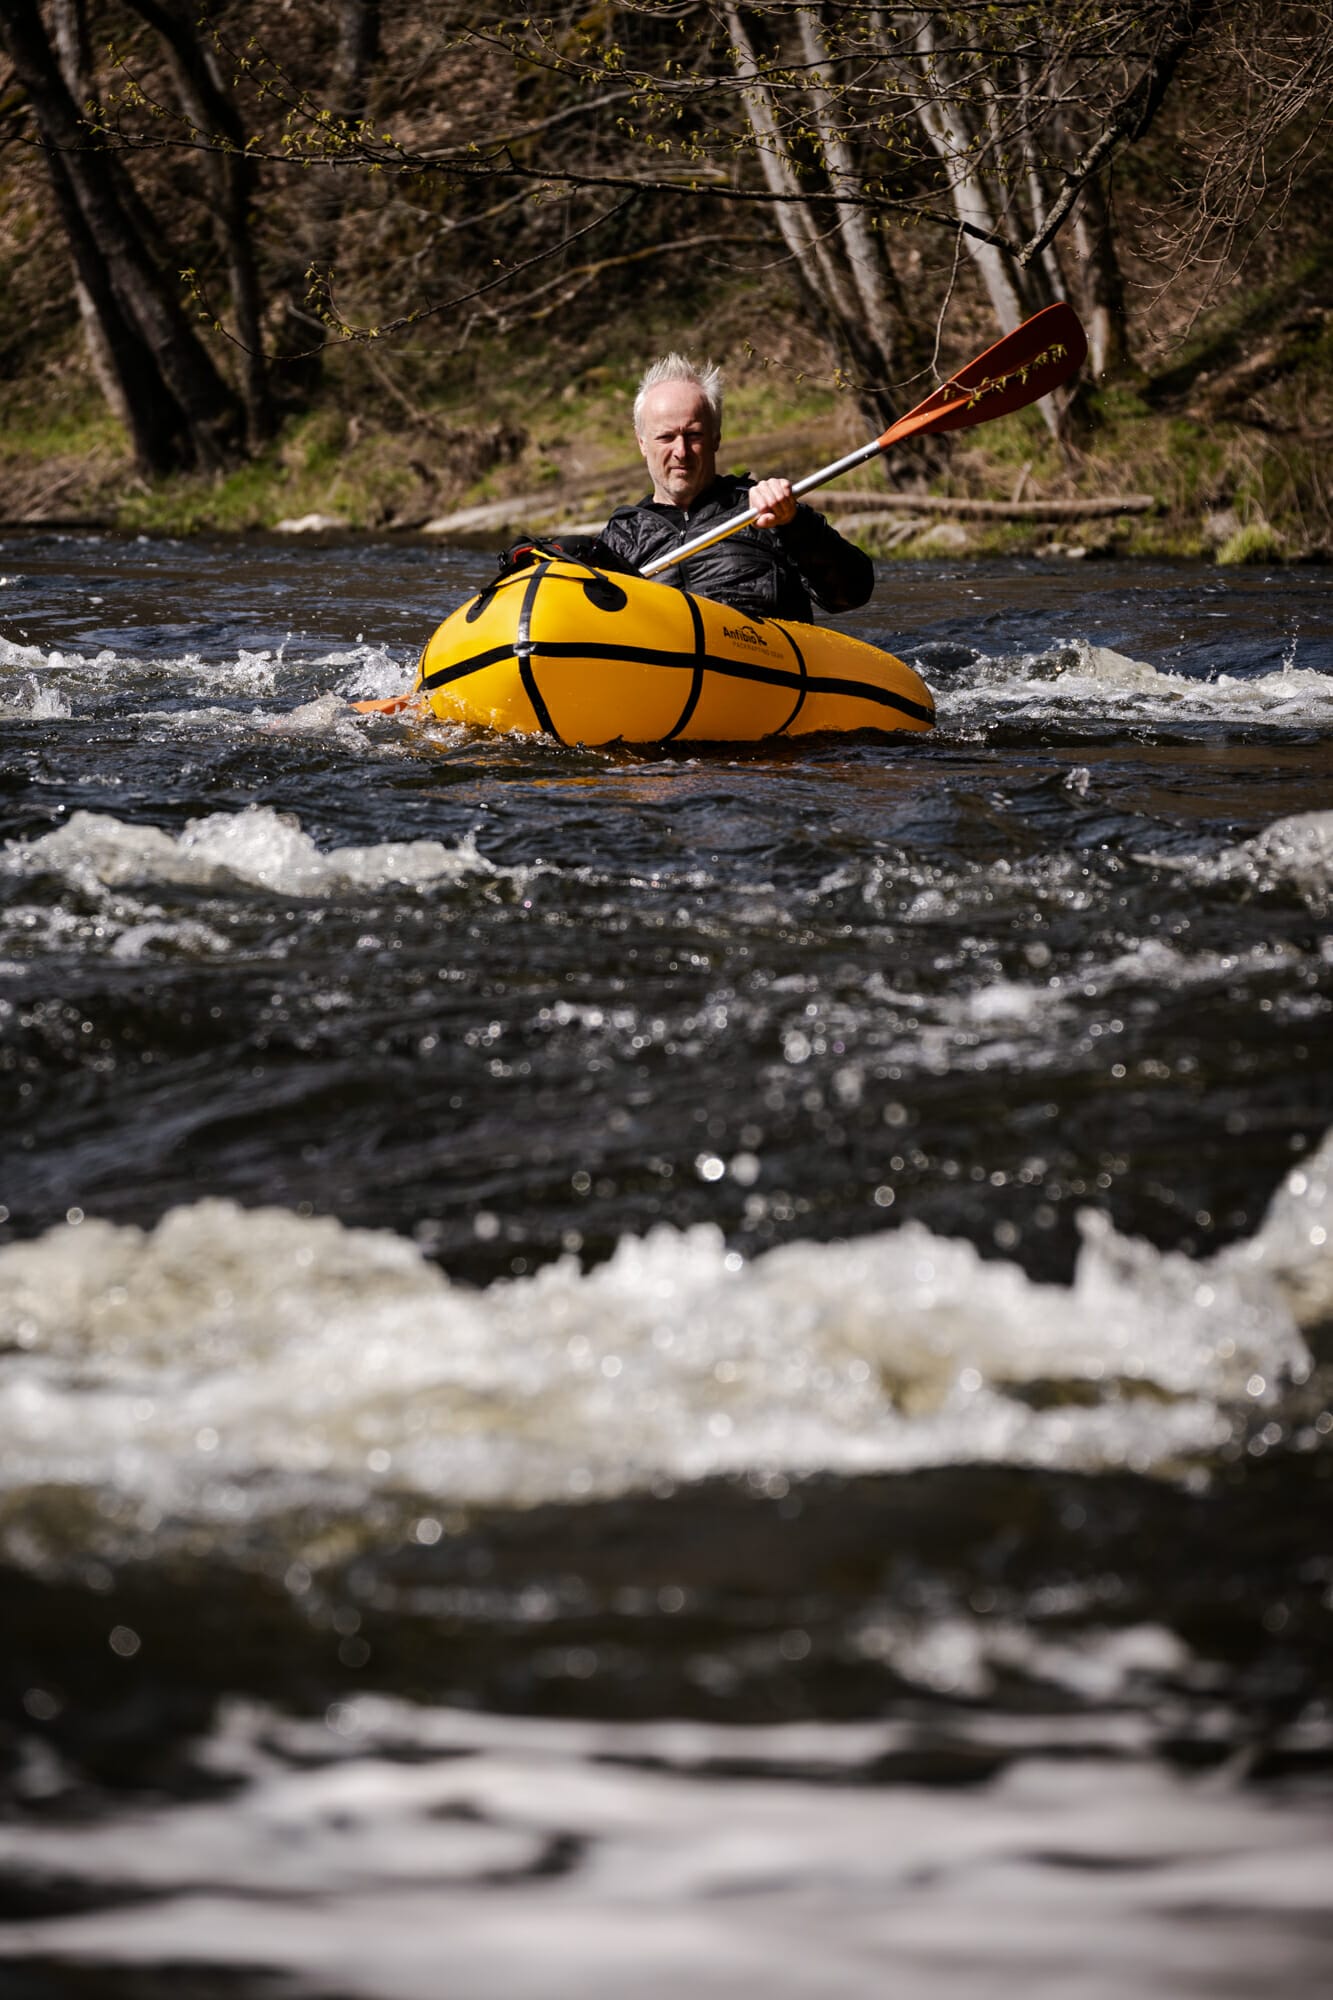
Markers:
(1149, 487)
(1217, 449)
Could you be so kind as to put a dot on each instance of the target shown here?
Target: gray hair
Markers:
(679, 368)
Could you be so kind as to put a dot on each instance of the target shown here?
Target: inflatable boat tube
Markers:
(563, 650)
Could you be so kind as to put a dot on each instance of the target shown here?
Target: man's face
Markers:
(676, 438)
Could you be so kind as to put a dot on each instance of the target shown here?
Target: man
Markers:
(789, 555)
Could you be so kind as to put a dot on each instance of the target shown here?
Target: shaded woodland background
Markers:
(382, 258)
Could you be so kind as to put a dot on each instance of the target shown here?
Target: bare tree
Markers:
(181, 410)
(70, 36)
(212, 121)
(837, 250)
(865, 129)
(356, 50)
(898, 157)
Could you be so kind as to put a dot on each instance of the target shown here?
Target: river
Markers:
(653, 1373)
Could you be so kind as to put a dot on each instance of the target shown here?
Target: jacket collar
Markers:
(718, 494)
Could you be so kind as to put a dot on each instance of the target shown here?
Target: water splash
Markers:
(257, 847)
(1294, 853)
(1078, 679)
(230, 1365)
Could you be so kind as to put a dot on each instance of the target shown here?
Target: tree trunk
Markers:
(1014, 293)
(204, 100)
(157, 357)
(891, 333)
(939, 109)
(70, 28)
(1100, 283)
(355, 55)
(844, 271)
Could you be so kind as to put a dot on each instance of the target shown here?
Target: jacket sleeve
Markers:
(841, 576)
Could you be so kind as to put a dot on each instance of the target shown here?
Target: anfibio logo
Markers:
(746, 634)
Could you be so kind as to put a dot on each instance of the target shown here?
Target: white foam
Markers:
(533, 1859)
(249, 673)
(257, 847)
(1079, 673)
(252, 672)
(115, 929)
(34, 658)
(1293, 1249)
(38, 660)
(375, 675)
(28, 701)
(1298, 851)
(327, 715)
(229, 1364)
(1295, 853)
(1105, 667)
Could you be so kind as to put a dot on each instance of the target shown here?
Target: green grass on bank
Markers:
(401, 435)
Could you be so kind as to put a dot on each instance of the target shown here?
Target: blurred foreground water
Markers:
(633, 1373)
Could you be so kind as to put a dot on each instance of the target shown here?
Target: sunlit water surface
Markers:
(625, 1373)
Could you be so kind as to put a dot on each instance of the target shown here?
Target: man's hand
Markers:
(775, 501)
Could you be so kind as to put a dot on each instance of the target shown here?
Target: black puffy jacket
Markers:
(773, 572)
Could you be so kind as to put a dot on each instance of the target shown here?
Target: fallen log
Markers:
(992, 510)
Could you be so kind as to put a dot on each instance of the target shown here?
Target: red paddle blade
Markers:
(1026, 365)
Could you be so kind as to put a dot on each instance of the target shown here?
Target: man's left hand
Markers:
(775, 501)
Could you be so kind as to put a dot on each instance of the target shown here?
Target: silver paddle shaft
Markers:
(739, 521)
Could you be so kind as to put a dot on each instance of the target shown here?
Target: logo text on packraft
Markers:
(745, 633)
